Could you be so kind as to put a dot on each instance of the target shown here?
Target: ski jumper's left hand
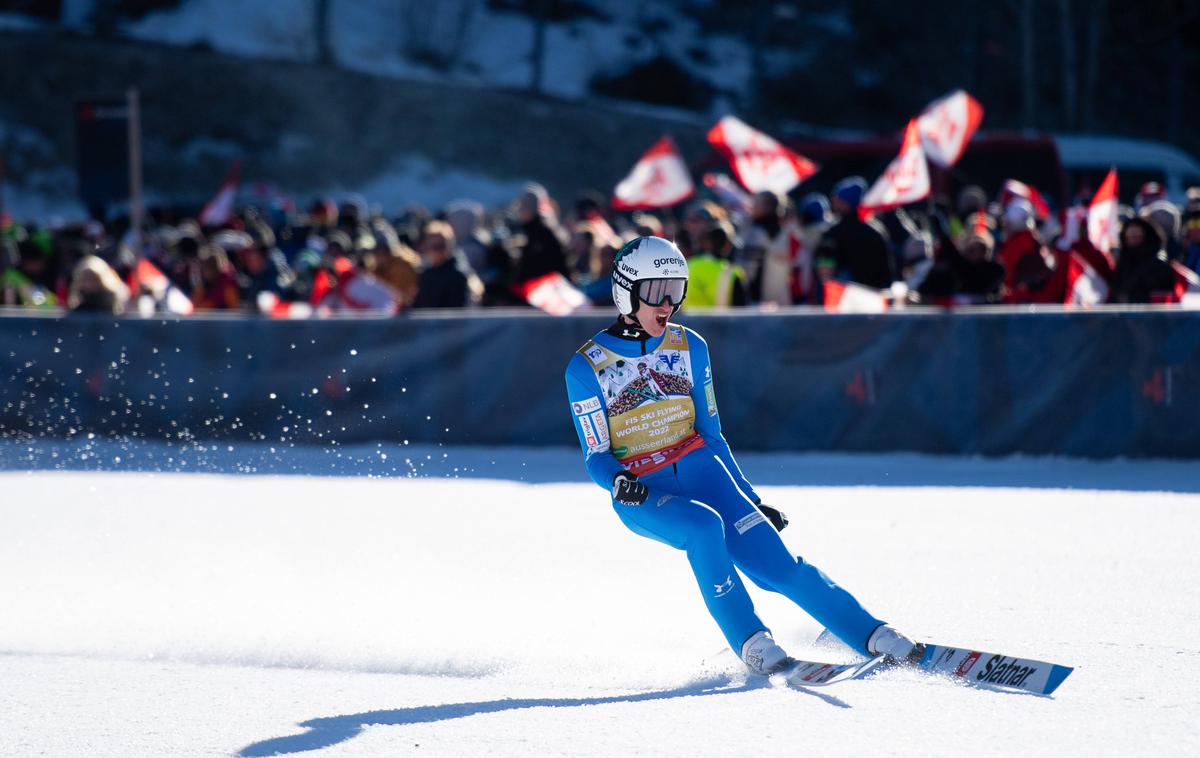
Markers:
(777, 517)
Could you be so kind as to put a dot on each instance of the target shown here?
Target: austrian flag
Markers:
(1102, 214)
(659, 179)
(219, 209)
(905, 180)
(759, 162)
(947, 125)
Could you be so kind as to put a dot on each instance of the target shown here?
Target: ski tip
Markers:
(1057, 675)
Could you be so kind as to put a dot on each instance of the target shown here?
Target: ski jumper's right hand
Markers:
(627, 490)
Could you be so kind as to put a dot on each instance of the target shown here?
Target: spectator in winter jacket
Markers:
(396, 265)
(542, 251)
(860, 250)
(815, 218)
(939, 283)
(1143, 274)
(31, 281)
(770, 243)
(1033, 274)
(1191, 240)
(466, 219)
(714, 280)
(96, 288)
(1164, 215)
(442, 284)
(699, 218)
(218, 288)
(981, 279)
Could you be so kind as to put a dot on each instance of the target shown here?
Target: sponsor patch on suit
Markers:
(586, 406)
(745, 523)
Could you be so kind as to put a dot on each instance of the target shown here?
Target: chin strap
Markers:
(627, 331)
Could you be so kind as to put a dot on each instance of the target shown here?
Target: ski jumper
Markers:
(647, 405)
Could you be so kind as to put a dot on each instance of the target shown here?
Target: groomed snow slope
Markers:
(202, 614)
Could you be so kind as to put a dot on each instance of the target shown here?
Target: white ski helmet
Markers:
(650, 268)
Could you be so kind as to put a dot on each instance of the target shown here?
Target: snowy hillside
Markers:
(462, 40)
(171, 614)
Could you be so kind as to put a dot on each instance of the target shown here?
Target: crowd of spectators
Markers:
(768, 250)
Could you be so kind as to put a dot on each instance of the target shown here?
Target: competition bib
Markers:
(650, 415)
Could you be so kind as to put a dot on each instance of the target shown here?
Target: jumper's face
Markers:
(653, 318)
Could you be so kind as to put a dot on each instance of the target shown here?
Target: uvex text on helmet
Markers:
(642, 259)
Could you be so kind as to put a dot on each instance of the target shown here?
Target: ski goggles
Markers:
(656, 291)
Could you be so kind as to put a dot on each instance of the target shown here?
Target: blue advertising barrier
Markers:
(1095, 384)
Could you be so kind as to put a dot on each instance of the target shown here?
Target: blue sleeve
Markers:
(590, 415)
(708, 421)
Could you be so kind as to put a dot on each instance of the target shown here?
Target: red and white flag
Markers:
(850, 297)
(1085, 287)
(759, 162)
(218, 210)
(1013, 188)
(659, 179)
(1187, 286)
(160, 293)
(905, 180)
(272, 305)
(553, 294)
(1102, 214)
(947, 125)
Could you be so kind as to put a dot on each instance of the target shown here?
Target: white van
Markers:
(1087, 158)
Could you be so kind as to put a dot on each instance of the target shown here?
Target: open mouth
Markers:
(661, 319)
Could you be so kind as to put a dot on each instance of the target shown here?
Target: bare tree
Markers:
(537, 56)
(436, 34)
(1029, 89)
(1091, 74)
(971, 49)
(1070, 66)
(1176, 66)
(321, 31)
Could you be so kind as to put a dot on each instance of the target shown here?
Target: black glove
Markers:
(776, 517)
(627, 490)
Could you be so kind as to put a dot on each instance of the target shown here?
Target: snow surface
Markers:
(149, 613)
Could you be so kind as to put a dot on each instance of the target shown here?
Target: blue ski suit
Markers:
(647, 405)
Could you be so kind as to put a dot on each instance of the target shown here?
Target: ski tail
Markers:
(816, 674)
(993, 669)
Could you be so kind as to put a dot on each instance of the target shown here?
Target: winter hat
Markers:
(1149, 192)
(1018, 215)
(814, 209)
(534, 199)
(1193, 199)
(971, 199)
(850, 190)
(1165, 214)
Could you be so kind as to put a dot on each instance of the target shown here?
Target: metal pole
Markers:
(1, 185)
(136, 210)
